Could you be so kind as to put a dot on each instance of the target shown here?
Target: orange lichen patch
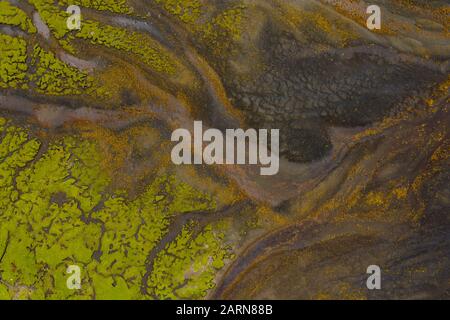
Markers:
(302, 265)
(115, 147)
(291, 15)
(358, 16)
(423, 8)
(442, 152)
(215, 82)
(357, 176)
(126, 154)
(429, 106)
(406, 193)
(268, 217)
(433, 167)
(443, 87)
(119, 76)
(430, 102)
(425, 176)
(304, 20)
(442, 14)
(184, 100)
(375, 199)
(386, 198)
(138, 112)
(323, 296)
(316, 201)
(347, 292)
(376, 204)
(361, 196)
(400, 193)
(355, 196)
(321, 22)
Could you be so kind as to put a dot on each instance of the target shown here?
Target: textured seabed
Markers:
(86, 176)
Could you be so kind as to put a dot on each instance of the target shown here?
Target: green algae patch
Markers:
(146, 49)
(141, 45)
(187, 11)
(48, 74)
(53, 16)
(188, 199)
(116, 6)
(13, 66)
(219, 34)
(14, 16)
(57, 210)
(187, 266)
(228, 24)
(44, 73)
(4, 292)
(53, 76)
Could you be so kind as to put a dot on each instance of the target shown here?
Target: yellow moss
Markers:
(13, 65)
(187, 11)
(116, 6)
(14, 16)
(223, 30)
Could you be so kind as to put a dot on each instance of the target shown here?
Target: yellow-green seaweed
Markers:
(56, 211)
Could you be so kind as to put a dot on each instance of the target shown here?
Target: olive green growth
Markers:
(57, 209)
(52, 76)
(187, 11)
(147, 50)
(14, 16)
(222, 31)
(13, 66)
(189, 264)
(116, 6)
(53, 16)
(142, 46)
